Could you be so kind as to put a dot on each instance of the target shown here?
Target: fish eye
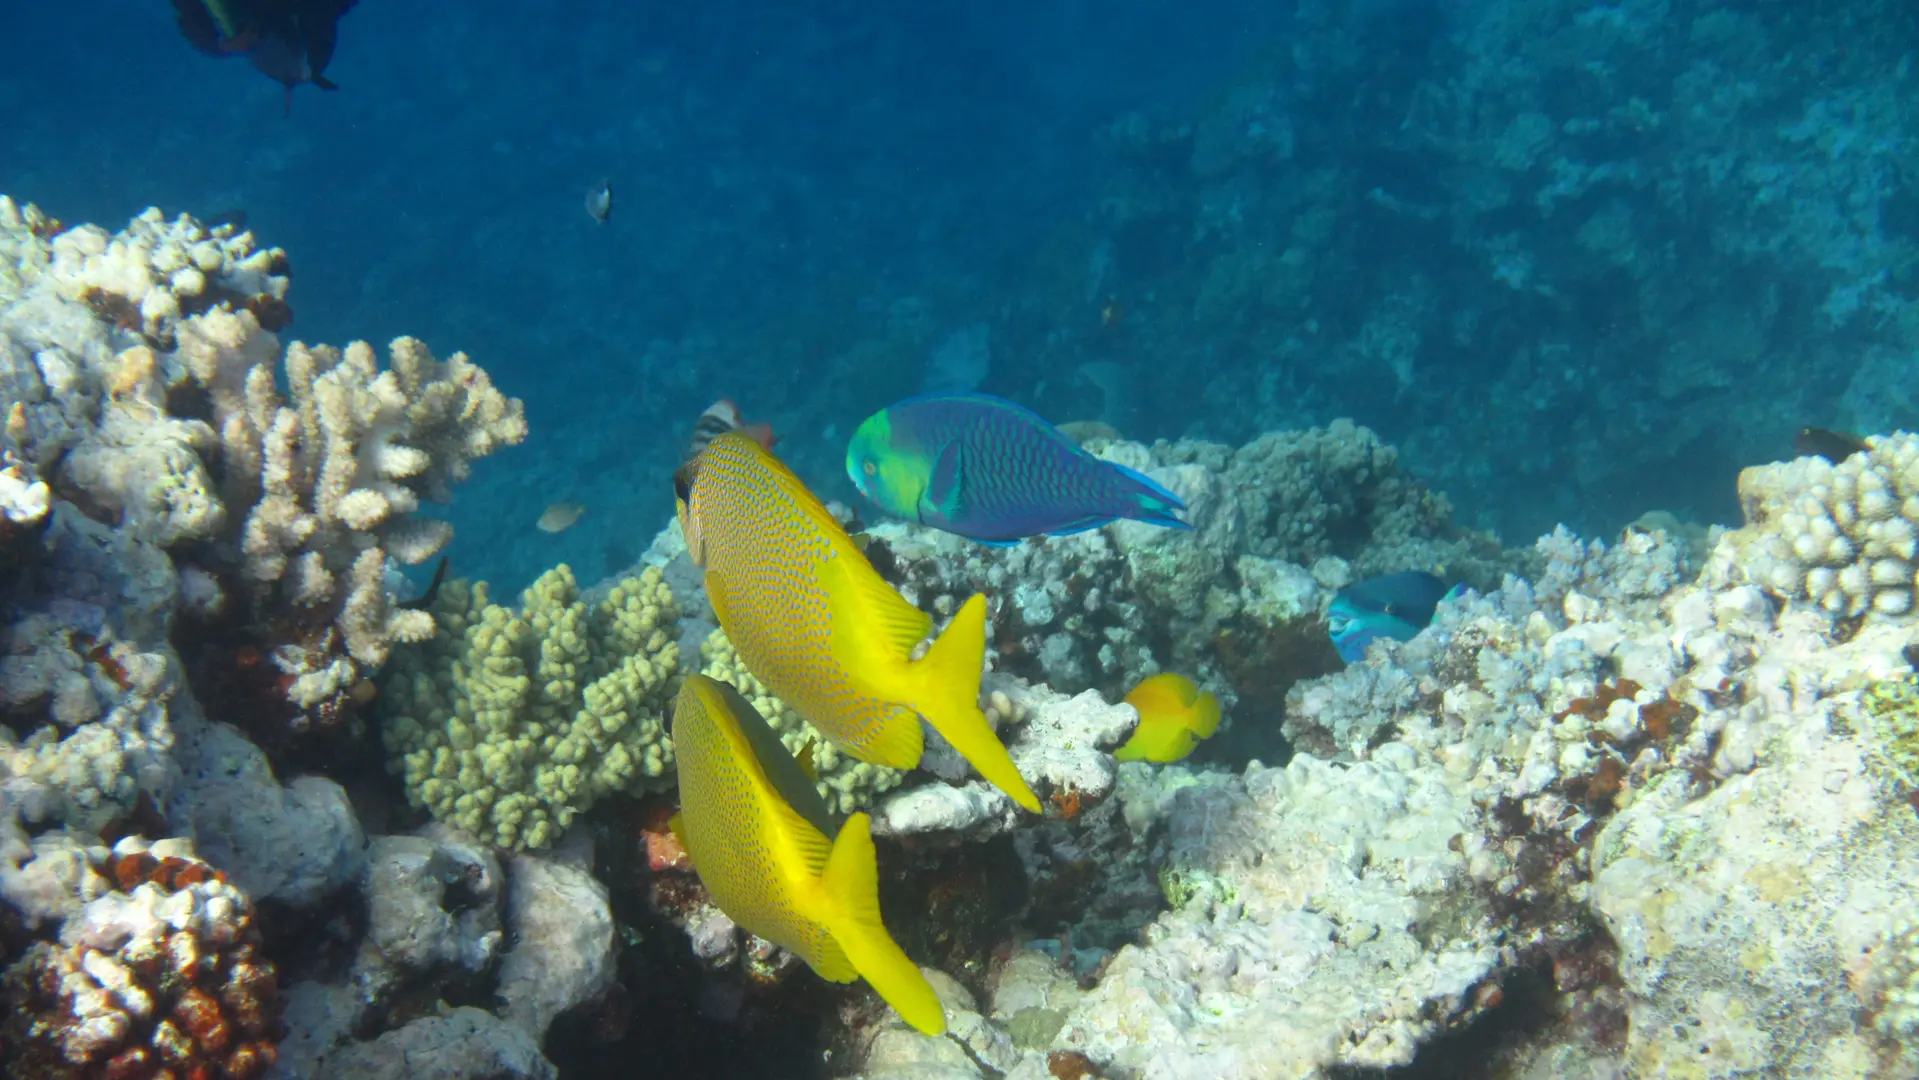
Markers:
(869, 468)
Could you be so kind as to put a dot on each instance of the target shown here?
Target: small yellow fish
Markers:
(813, 621)
(560, 516)
(765, 847)
(1174, 714)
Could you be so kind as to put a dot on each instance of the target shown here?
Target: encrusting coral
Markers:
(160, 978)
(509, 724)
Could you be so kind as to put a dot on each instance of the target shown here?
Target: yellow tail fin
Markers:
(1205, 715)
(851, 881)
(945, 690)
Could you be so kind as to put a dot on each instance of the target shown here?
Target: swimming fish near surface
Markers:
(289, 41)
(719, 418)
(769, 853)
(1396, 606)
(812, 620)
(1174, 715)
(988, 469)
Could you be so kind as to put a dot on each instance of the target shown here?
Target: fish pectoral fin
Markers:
(851, 884)
(861, 605)
(947, 486)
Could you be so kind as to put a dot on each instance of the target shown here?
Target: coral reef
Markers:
(1277, 526)
(142, 378)
(159, 978)
(509, 724)
(1640, 806)
(1844, 537)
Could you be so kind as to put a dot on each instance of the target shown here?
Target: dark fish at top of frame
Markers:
(288, 41)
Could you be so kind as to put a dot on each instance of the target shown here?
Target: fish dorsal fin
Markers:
(783, 774)
(861, 599)
(946, 488)
(677, 826)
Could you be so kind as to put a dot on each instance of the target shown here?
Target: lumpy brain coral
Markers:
(1841, 536)
(510, 723)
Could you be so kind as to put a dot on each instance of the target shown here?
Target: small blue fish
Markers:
(1396, 606)
(993, 471)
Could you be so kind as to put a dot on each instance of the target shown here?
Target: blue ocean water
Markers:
(1577, 262)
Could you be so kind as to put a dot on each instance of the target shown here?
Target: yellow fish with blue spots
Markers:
(768, 852)
(1174, 715)
(812, 620)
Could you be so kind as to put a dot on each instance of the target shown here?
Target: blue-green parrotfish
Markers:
(993, 471)
(1396, 606)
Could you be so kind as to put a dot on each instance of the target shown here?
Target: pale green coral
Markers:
(846, 783)
(1891, 707)
(1183, 885)
(509, 724)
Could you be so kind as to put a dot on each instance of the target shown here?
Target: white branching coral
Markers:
(159, 271)
(140, 372)
(344, 457)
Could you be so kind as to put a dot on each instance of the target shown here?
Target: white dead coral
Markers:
(334, 467)
(1843, 537)
(157, 272)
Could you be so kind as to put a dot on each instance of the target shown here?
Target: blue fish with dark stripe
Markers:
(996, 472)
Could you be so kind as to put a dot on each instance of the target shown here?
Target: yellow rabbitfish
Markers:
(1174, 715)
(813, 621)
(764, 846)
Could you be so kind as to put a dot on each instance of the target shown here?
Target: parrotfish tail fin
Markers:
(851, 881)
(1149, 500)
(947, 695)
(874, 630)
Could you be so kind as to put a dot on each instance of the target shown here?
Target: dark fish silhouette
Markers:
(1834, 446)
(424, 601)
(289, 41)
